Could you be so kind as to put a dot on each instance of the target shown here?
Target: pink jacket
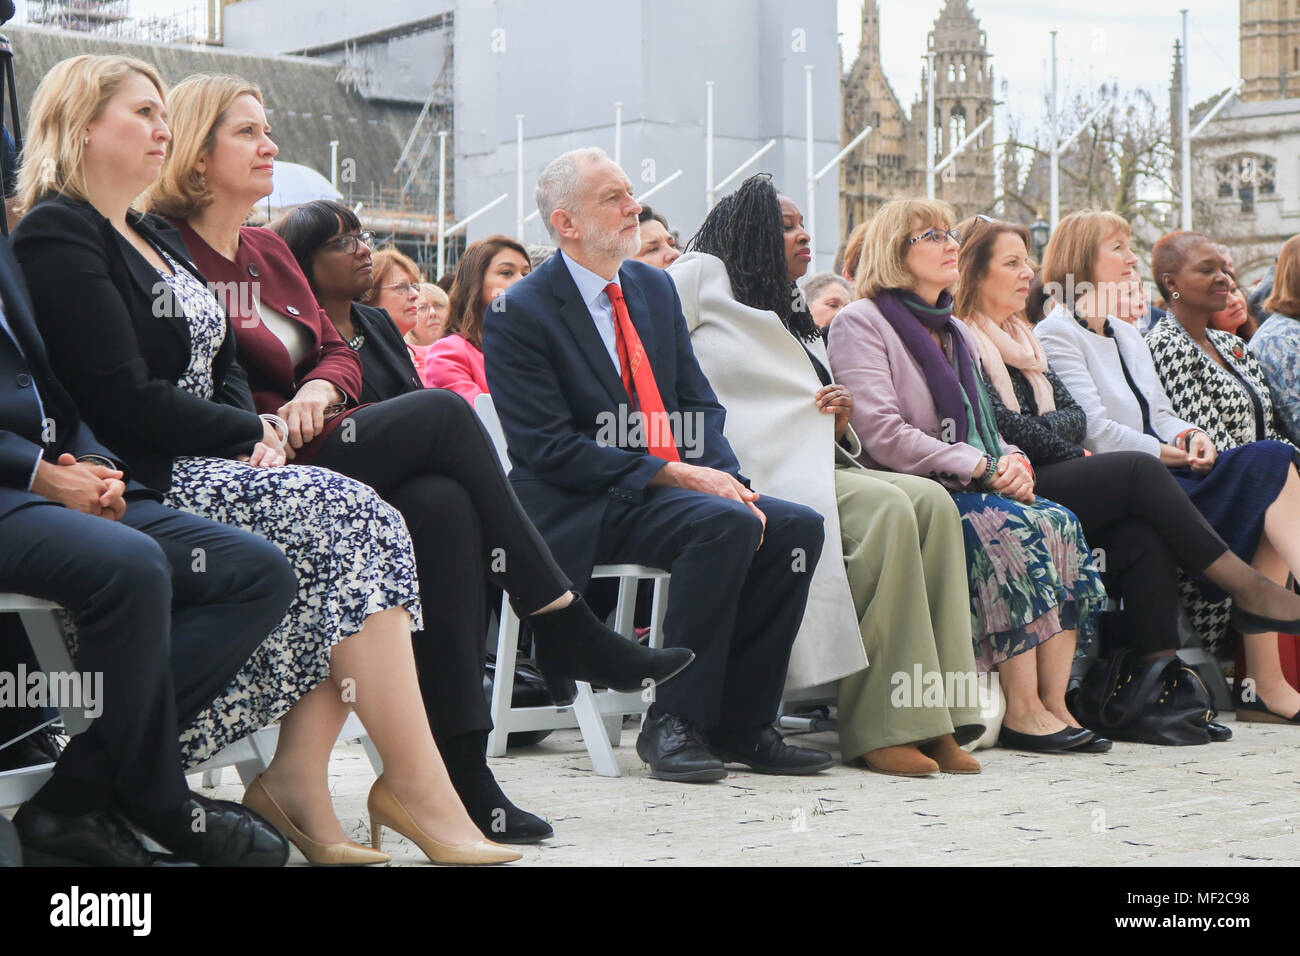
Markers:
(452, 362)
(893, 413)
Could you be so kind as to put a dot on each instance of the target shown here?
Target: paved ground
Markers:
(1229, 803)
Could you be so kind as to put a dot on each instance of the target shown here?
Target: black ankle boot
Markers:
(490, 809)
(572, 644)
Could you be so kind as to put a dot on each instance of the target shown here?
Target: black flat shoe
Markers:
(1218, 732)
(767, 752)
(1097, 745)
(98, 838)
(1068, 739)
(571, 644)
(1256, 711)
(233, 835)
(1247, 622)
(676, 749)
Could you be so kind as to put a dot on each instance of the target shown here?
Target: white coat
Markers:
(786, 447)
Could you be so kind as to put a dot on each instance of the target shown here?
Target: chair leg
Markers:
(212, 778)
(504, 684)
(594, 735)
(46, 638)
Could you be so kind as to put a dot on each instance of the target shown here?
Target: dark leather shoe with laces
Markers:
(216, 833)
(676, 749)
(98, 838)
(765, 751)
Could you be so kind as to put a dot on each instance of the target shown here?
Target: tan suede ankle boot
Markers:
(900, 761)
(950, 757)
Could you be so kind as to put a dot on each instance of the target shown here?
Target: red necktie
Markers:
(639, 380)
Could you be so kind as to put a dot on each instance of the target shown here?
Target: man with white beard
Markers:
(592, 338)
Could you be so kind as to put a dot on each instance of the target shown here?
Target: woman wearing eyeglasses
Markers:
(924, 410)
(422, 449)
(430, 321)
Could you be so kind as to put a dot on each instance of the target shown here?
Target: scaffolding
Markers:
(86, 16)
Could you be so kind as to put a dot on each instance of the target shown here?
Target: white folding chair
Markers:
(46, 637)
(598, 714)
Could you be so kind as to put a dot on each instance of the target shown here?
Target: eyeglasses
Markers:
(401, 288)
(936, 235)
(348, 244)
(425, 309)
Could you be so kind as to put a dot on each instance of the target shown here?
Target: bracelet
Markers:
(1028, 467)
(990, 471)
(98, 460)
(1185, 436)
(280, 426)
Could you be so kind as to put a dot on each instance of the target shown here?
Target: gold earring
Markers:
(85, 141)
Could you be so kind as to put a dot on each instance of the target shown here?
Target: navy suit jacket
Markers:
(554, 387)
(24, 372)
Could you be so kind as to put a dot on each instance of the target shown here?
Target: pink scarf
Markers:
(1013, 343)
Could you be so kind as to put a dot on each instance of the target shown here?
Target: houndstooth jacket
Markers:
(1233, 411)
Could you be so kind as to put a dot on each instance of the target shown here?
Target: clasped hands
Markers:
(1012, 478)
(82, 486)
(1199, 456)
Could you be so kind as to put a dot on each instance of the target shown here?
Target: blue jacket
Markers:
(25, 372)
(555, 389)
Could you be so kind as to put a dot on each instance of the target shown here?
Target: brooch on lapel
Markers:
(1237, 352)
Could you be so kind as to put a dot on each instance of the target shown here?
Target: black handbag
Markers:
(529, 691)
(1161, 702)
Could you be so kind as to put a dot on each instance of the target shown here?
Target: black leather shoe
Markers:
(1251, 708)
(1218, 732)
(216, 833)
(765, 751)
(676, 750)
(99, 838)
(1068, 739)
(37, 748)
(1097, 745)
(572, 644)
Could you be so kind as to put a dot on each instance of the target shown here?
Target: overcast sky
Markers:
(1129, 41)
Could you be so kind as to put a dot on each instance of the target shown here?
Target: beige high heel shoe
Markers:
(258, 799)
(387, 811)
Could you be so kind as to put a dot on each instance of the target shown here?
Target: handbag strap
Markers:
(1117, 713)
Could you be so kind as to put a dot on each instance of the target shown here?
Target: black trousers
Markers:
(166, 630)
(736, 605)
(428, 455)
(1147, 529)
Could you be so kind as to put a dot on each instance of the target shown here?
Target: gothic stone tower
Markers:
(877, 170)
(963, 98)
(1270, 50)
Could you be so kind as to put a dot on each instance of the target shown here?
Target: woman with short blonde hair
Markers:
(1031, 577)
(182, 189)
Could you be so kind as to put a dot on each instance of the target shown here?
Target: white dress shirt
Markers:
(592, 289)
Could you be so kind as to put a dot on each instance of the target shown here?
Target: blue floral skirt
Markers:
(1031, 575)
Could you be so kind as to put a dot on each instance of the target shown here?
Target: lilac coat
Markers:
(893, 413)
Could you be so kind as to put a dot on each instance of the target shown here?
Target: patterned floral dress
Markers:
(350, 549)
(1030, 572)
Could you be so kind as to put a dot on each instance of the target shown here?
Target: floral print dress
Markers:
(350, 549)
(1030, 572)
